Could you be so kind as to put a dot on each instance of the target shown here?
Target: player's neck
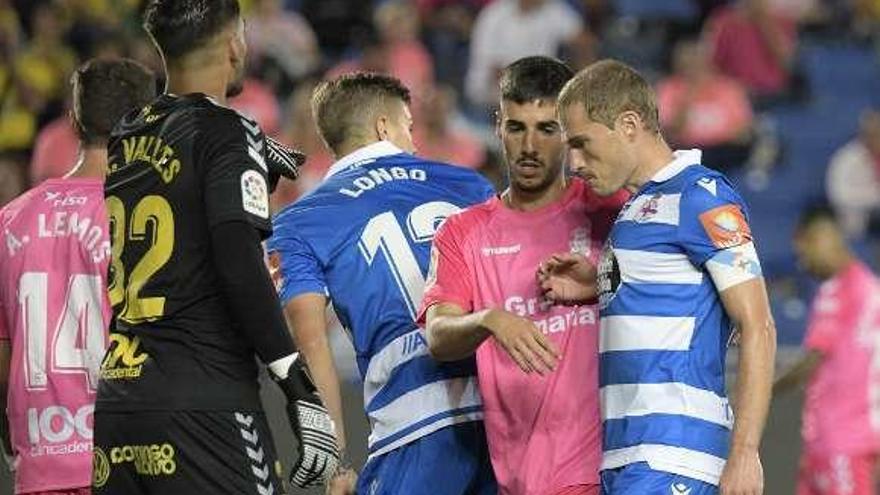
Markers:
(208, 80)
(842, 261)
(519, 200)
(652, 156)
(92, 163)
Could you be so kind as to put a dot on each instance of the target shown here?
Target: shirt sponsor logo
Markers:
(254, 194)
(726, 226)
(56, 430)
(148, 460)
(123, 360)
(608, 277)
(501, 250)
(533, 307)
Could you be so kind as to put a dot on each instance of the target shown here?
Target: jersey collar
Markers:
(683, 159)
(368, 153)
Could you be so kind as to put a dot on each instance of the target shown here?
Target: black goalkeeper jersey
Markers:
(177, 168)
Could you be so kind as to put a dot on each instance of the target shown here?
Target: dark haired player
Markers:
(178, 409)
(53, 293)
(537, 363)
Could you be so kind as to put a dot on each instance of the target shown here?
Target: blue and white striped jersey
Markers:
(664, 331)
(363, 238)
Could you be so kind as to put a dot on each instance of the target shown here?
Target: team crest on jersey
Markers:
(254, 194)
(579, 241)
(100, 468)
(649, 209)
(726, 226)
(608, 277)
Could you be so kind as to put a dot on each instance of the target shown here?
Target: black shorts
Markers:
(184, 452)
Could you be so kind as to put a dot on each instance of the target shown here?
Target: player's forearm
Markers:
(315, 347)
(453, 336)
(754, 384)
(249, 294)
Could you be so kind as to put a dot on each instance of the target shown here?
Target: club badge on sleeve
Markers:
(726, 226)
(254, 194)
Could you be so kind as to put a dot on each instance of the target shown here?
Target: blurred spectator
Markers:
(397, 22)
(853, 183)
(47, 61)
(447, 33)
(754, 45)
(301, 133)
(437, 139)
(700, 108)
(339, 24)
(258, 102)
(866, 17)
(394, 48)
(12, 181)
(281, 44)
(56, 147)
(510, 29)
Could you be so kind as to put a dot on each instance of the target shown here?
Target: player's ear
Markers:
(381, 125)
(237, 46)
(628, 122)
(498, 123)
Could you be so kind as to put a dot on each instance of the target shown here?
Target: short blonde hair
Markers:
(608, 88)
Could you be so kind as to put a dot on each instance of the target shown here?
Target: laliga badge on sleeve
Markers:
(254, 194)
(726, 226)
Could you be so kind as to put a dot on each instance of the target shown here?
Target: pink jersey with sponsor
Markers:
(54, 310)
(544, 432)
(842, 410)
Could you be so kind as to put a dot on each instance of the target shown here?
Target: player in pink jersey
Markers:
(841, 421)
(536, 363)
(53, 293)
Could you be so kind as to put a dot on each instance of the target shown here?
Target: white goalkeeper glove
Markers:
(311, 423)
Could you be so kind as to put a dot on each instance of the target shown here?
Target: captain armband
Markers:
(734, 265)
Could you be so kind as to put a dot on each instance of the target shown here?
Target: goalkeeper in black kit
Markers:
(178, 408)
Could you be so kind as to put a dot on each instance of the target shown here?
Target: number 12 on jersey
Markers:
(383, 233)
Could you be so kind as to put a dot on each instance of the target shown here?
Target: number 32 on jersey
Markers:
(154, 212)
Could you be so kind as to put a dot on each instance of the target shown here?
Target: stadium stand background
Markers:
(793, 133)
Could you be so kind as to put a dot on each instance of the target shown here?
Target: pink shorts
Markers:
(578, 490)
(836, 474)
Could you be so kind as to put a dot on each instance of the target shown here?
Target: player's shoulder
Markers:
(441, 170)
(702, 187)
(34, 196)
(469, 220)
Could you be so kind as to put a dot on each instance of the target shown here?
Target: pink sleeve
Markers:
(449, 279)
(827, 320)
